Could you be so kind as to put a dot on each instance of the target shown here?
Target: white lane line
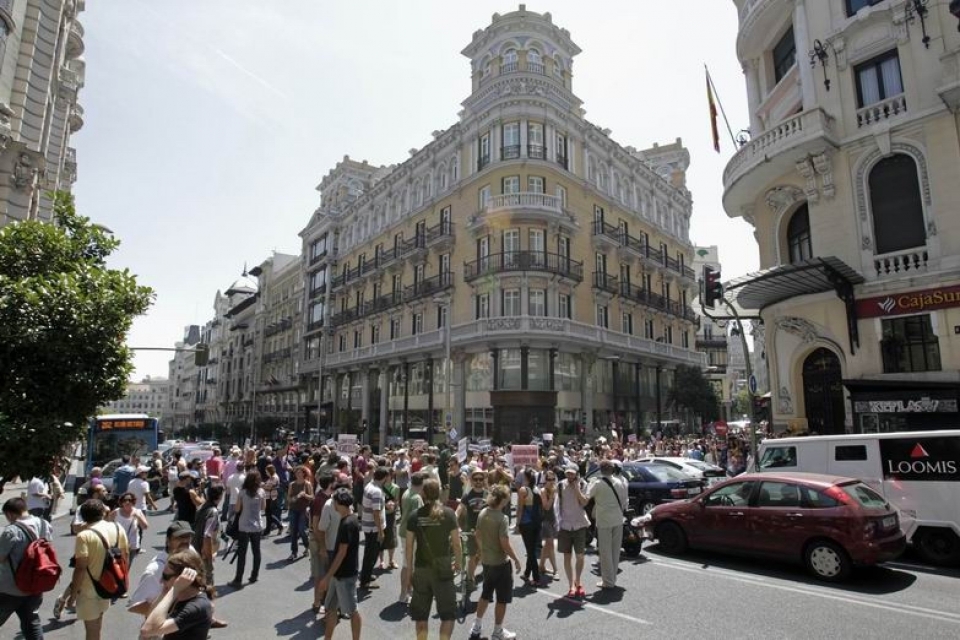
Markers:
(593, 607)
(935, 614)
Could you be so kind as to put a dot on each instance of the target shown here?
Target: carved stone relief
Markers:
(824, 168)
(784, 401)
(779, 198)
(803, 329)
(805, 169)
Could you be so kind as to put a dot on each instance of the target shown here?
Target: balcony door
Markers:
(538, 247)
(483, 254)
(823, 393)
(511, 247)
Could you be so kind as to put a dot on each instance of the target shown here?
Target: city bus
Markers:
(110, 437)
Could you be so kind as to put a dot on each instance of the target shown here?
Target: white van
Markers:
(918, 472)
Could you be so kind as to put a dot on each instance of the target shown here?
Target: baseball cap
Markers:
(179, 528)
(142, 469)
(571, 468)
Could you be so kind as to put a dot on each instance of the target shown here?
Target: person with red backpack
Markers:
(102, 555)
(22, 546)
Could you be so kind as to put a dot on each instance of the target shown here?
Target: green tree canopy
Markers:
(64, 317)
(691, 390)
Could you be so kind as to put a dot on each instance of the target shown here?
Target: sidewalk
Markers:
(19, 489)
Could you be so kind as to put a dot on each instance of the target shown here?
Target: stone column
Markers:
(384, 406)
(588, 384)
(524, 367)
(405, 429)
(549, 141)
(365, 403)
(523, 143)
(460, 391)
(496, 141)
(801, 36)
(335, 409)
(751, 71)
(495, 356)
(638, 392)
(429, 380)
(553, 366)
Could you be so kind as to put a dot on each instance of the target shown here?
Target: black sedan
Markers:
(650, 484)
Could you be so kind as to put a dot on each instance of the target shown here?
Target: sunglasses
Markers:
(168, 576)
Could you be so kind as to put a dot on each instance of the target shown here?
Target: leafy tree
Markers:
(64, 317)
(692, 391)
(742, 404)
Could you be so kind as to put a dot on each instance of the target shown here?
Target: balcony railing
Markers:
(439, 231)
(320, 255)
(315, 325)
(910, 262)
(541, 261)
(606, 282)
(345, 316)
(516, 327)
(510, 152)
(536, 67)
(880, 111)
(536, 151)
(562, 160)
(711, 343)
(525, 200)
(641, 248)
(428, 287)
(509, 67)
(483, 161)
(656, 301)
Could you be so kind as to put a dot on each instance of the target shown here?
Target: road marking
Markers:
(943, 616)
(594, 607)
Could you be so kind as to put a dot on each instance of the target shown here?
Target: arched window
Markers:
(442, 178)
(896, 204)
(454, 170)
(509, 61)
(534, 56)
(798, 235)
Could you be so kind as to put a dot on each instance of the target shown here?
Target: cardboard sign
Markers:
(347, 444)
(548, 437)
(462, 448)
(525, 455)
(632, 437)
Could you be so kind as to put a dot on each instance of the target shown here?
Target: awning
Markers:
(816, 275)
(756, 291)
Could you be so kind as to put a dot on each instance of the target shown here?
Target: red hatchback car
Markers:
(828, 523)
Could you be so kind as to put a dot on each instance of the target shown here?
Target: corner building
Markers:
(852, 183)
(545, 263)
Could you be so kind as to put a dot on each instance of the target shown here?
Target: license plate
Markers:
(693, 491)
(889, 522)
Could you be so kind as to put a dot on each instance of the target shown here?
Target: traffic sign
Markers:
(752, 384)
(453, 434)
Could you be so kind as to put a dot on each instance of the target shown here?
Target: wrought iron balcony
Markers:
(562, 160)
(439, 233)
(428, 287)
(536, 151)
(541, 261)
(483, 161)
(605, 282)
(510, 152)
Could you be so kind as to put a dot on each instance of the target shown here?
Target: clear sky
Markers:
(209, 123)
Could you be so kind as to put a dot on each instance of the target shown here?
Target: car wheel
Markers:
(646, 507)
(827, 560)
(938, 546)
(671, 537)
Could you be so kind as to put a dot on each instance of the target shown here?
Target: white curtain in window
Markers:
(890, 70)
(869, 87)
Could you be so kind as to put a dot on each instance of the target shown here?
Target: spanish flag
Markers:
(713, 114)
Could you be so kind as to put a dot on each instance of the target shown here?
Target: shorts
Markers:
(90, 606)
(497, 579)
(470, 547)
(342, 594)
(426, 587)
(318, 564)
(576, 539)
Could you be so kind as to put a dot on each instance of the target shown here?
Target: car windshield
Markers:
(661, 472)
(864, 495)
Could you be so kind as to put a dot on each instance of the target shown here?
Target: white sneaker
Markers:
(503, 634)
(405, 598)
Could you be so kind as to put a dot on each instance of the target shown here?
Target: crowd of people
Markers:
(431, 513)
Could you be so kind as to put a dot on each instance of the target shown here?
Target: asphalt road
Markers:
(699, 595)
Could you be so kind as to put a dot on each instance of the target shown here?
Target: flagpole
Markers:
(723, 111)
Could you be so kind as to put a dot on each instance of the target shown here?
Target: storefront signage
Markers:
(923, 405)
(899, 304)
(921, 459)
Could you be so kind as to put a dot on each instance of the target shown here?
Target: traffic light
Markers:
(712, 287)
(201, 355)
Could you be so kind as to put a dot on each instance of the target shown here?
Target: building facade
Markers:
(149, 396)
(851, 183)
(41, 71)
(184, 386)
(522, 273)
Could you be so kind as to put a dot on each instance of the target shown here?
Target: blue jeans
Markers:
(27, 609)
(297, 523)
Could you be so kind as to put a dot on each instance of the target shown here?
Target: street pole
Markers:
(447, 366)
(254, 377)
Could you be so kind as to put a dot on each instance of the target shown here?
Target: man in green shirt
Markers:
(493, 538)
(412, 500)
